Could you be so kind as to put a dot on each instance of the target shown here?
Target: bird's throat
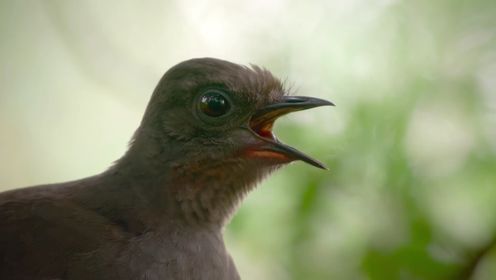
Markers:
(211, 192)
(197, 189)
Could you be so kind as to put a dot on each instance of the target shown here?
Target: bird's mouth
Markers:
(261, 124)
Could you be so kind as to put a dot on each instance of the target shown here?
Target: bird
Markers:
(159, 211)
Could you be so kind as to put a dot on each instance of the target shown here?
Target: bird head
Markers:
(219, 111)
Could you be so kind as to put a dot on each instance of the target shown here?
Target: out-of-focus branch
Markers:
(468, 272)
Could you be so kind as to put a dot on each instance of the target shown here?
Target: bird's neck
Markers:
(196, 190)
(207, 192)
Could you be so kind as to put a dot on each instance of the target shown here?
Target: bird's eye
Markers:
(214, 103)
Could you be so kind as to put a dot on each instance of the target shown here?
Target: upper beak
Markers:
(262, 121)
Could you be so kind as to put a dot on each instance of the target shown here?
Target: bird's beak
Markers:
(262, 122)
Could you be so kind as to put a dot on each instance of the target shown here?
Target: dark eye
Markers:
(214, 103)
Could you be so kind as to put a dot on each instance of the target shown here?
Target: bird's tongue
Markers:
(262, 122)
(263, 129)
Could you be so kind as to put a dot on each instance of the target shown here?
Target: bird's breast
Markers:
(178, 252)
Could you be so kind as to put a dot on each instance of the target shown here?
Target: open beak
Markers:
(262, 122)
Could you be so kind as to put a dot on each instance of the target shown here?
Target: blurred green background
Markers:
(411, 145)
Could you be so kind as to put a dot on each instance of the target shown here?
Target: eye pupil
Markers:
(213, 103)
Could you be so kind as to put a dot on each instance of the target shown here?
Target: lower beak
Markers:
(262, 122)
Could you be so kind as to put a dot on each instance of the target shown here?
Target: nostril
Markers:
(294, 100)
